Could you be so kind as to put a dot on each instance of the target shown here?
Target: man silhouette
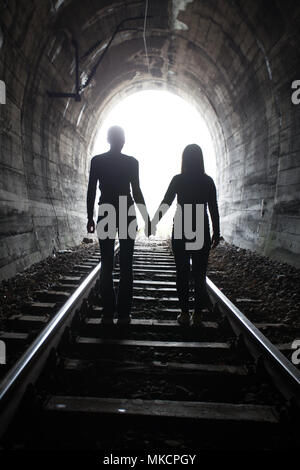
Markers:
(116, 172)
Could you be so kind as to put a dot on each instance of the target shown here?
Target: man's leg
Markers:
(125, 291)
(106, 277)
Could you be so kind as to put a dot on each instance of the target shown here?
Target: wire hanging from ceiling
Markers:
(144, 36)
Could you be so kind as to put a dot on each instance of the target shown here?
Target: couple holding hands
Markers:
(118, 177)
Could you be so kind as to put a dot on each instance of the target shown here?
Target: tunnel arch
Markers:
(234, 61)
(145, 85)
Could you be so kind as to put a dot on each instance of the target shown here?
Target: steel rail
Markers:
(286, 377)
(26, 370)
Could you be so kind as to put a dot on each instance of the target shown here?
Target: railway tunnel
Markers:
(235, 61)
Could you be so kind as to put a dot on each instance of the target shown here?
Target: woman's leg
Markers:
(182, 261)
(199, 268)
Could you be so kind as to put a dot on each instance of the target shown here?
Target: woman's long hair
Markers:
(192, 160)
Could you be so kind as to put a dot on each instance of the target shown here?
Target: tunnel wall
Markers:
(260, 185)
(43, 150)
(235, 61)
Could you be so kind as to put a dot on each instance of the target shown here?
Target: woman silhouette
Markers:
(195, 190)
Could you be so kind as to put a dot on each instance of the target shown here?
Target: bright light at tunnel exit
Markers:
(158, 126)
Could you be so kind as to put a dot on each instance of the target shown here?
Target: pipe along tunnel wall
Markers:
(234, 60)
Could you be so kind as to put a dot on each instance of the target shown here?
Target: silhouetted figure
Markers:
(115, 172)
(195, 188)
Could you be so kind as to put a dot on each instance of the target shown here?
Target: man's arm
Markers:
(138, 195)
(214, 213)
(90, 200)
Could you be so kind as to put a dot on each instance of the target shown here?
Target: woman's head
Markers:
(192, 160)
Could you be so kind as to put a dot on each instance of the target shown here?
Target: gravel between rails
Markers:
(265, 290)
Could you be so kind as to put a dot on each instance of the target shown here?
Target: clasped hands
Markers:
(150, 228)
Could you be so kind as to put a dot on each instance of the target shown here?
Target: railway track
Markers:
(152, 385)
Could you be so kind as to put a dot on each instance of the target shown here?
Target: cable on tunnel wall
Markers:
(144, 36)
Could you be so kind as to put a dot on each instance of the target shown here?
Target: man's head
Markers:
(116, 138)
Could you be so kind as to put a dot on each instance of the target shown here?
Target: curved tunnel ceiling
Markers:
(234, 60)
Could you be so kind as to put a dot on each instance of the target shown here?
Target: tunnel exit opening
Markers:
(158, 126)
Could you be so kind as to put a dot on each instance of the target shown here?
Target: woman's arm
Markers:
(165, 203)
(214, 213)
